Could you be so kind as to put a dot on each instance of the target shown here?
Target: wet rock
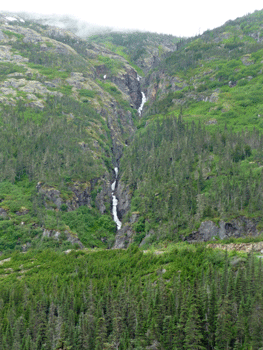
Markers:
(82, 195)
(103, 197)
(124, 197)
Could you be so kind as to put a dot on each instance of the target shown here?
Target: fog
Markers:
(187, 18)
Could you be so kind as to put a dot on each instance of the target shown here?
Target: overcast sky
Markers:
(180, 18)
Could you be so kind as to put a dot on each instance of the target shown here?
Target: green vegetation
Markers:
(196, 155)
(191, 175)
(95, 300)
(87, 93)
(50, 73)
(7, 68)
(134, 46)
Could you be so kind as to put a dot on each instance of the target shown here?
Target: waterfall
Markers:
(115, 201)
(142, 104)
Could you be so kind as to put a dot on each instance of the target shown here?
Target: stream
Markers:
(113, 185)
(115, 201)
(142, 104)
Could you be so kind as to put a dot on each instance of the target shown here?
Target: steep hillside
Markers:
(217, 76)
(201, 134)
(67, 110)
(145, 50)
(77, 153)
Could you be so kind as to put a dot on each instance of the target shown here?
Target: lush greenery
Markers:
(192, 175)
(189, 298)
(197, 155)
(218, 76)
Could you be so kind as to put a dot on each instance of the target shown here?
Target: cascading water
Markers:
(115, 201)
(113, 185)
(142, 104)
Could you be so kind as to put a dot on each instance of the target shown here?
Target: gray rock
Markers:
(3, 213)
(222, 230)
(124, 196)
(50, 194)
(103, 197)
(50, 84)
(72, 238)
(123, 237)
(208, 229)
(129, 84)
(239, 227)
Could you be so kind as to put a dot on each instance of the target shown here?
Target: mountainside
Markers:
(67, 111)
(130, 140)
(201, 134)
(186, 164)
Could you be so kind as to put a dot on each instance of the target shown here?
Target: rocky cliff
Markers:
(235, 228)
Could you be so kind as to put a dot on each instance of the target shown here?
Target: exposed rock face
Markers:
(50, 194)
(129, 84)
(71, 237)
(124, 197)
(81, 195)
(123, 237)
(104, 195)
(238, 227)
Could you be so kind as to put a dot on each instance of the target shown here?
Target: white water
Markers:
(115, 201)
(142, 104)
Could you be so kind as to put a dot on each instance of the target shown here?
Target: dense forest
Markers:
(192, 175)
(191, 298)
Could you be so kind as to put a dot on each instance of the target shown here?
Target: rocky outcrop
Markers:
(238, 227)
(129, 84)
(103, 196)
(80, 195)
(124, 237)
(70, 236)
(124, 198)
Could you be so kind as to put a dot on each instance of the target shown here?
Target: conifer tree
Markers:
(193, 334)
